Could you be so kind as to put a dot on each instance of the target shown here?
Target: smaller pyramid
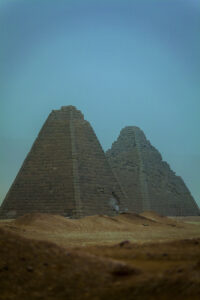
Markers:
(148, 181)
(65, 172)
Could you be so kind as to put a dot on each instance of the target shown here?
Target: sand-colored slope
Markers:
(122, 222)
(101, 229)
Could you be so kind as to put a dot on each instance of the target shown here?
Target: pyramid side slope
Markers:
(44, 182)
(100, 191)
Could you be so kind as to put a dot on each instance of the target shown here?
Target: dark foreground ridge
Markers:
(149, 182)
(65, 172)
(44, 270)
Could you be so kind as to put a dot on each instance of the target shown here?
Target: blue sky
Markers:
(121, 62)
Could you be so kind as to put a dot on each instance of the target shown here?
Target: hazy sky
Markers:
(121, 62)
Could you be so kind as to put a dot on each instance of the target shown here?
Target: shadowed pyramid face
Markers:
(66, 172)
(147, 180)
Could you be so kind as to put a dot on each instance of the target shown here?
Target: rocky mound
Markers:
(44, 221)
(101, 229)
(51, 222)
(151, 215)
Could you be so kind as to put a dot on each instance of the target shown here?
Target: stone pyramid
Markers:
(65, 172)
(148, 181)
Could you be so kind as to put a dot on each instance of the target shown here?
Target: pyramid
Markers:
(148, 181)
(65, 172)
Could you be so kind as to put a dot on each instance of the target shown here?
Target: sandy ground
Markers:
(129, 256)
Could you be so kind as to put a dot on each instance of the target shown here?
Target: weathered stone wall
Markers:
(123, 158)
(100, 191)
(148, 181)
(66, 172)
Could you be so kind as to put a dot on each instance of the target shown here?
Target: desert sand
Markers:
(128, 256)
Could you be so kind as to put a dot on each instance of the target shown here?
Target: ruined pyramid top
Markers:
(127, 139)
(130, 129)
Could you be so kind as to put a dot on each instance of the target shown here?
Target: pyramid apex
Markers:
(68, 107)
(73, 111)
(130, 129)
